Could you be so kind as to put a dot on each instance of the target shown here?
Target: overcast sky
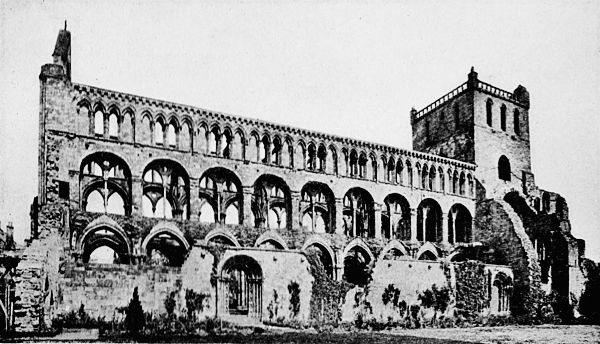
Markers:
(346, 68)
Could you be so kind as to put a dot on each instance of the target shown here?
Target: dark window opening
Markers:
(63, 190)
(504, 168)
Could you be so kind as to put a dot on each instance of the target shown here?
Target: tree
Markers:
(294, 290)
(134, 315)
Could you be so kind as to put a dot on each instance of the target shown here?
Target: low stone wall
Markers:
(104, 288)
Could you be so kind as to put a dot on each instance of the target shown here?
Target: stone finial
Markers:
(472, 79)
(522, 95)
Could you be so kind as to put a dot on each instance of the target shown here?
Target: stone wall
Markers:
(501, 228)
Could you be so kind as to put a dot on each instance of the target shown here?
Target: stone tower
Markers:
(481, 124)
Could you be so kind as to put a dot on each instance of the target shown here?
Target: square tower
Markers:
(481, 124)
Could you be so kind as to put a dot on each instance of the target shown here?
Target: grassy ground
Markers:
(545, 334)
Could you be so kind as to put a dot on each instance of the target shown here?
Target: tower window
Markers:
(503, 117)
(517, 122)
(488, 111)
(504, 168)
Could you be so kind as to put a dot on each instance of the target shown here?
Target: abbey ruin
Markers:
(165, 197)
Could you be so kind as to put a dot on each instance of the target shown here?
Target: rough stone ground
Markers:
(546, 334)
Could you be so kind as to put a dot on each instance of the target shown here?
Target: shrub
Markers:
(194, 302)
(134, 315)
(294, 290)
(170, 303)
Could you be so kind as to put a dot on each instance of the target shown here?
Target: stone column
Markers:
(339, 216)
(137, 193)
(445, 228)
(413, 224)
(377, 214)
(194, 200)
(247, 192)
(295, 212)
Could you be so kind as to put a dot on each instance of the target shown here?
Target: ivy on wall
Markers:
(471, 287)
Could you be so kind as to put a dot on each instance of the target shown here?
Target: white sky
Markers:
(346, 68)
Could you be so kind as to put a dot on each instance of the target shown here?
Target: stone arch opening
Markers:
(165, 247)
(429, 221)
(105, 245)
(105, 184)
(271, 203)
(395, 217)
(323, 255)
(317, 205)
(357, 261)
(359, 219)
(166, 187)
(460, 224)
(240, 287)
(221, 196)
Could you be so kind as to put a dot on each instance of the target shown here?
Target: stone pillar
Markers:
(137, 193)
(194, 200)
(247, 192)
(445, 228)
(377, 214)
(413, 224)
(339, 216)
(295, 212)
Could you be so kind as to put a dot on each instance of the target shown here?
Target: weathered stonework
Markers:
(191, 199)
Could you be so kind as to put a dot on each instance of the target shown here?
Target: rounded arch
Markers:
(504, 171)
(393, 248)
(273, 237)
(324, 253)
(222, 233)
(358, 242)
(358, 212)
(428, 252)
(357, 261)
(271, 202)
(395, 217)
(241, 282)
(116, 238)
(165, 227)
(429, 221)
(318, 203)
(166, 183)
(460, 224)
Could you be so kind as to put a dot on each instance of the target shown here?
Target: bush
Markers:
(294, 290)
(134, 315)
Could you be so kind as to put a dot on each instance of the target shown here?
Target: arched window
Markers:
(207, 213)
(395, 218)
(105, 182)
(353, 164)
(221, 189)
(321, 156)
(362, 166)
(460, 223)
(503, 117)
(99, 123)
(158, 133)
(317, 205)
(517, 122)
(359, 220)
(390, 171)
(429, 221)
(171, 136)
(311, 157)
(166, 190)
(504, 172)
(276, 151)
(271, 202)
(113, 126)
(488, 111)
(225, 144)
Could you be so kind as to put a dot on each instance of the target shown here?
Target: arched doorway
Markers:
(429, 221)
(240, 287)
(460, 223)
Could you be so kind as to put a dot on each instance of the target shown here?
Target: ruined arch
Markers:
(221, 236)
(357, 261)
(429, 221)
(393, 250)
(106, 175)
(428, 252)
(358, 212)
(104, 231)
(323, 252)
(165, 245)
(240, 284)
(166, 190)
(395, 217)
(271, 203)
(222, 189)
(317, 207)
(460, 224)
(271, 237)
